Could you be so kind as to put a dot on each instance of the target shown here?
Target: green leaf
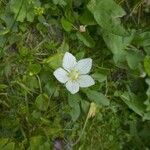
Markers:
(34, 69)
(39, 143)
(23, 9)
(134, 59)
(142, 39)
(87, 18)
(85, 106)
(3, 86)
(4, 31)
(23, 51)
(19, 9)
(60, 2)
(99, 77)
(133, 103)
(117, 45)
(107, 14)
(147, 65)
(55, 61)
(97, 97)
(42, 102)
(66, 24)
(146, 116)
(148, 90)
(5, 144)
(86, 39)
(9, 146)
(73, 101)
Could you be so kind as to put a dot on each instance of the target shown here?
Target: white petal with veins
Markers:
(69, 61)
(61, 75)
(72, 86)
(84, 65)
(86, 81)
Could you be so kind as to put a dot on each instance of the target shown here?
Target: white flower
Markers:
(74, 74)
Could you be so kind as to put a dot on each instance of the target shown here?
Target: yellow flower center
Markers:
(74, 74)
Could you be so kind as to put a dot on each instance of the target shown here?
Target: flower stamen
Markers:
(74, 74)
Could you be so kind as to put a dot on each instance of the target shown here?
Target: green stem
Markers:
(40, 86)
(80, 136)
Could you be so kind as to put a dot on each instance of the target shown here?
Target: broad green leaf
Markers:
(97, 97)
(142, 39)
(147, 65)
(87, 18)
(19, 9)
(133, 103)
(86, 39)
(134, 59)
(146, 116)
(55, 61)
(66, 24)
(117, 45)
(73, 101)
(24, 9)
(99, 77)
(75, 112)
(107, 14)
(85, 106)
(42, 102)
(80, 55)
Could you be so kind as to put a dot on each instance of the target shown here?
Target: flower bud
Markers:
(92, 110)
(82, 28)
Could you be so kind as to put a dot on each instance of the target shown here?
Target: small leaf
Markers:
(34, 69)
(73, 101)
(3, 32)
(133, 103)
(39, 143)
(55, 61)
(97, 97)
(60, 2)
(41, 102)
(134, 59)
(99, 77)
(85, 106)
(147, 65)
(66, 24)
(86, 39)
(3, 86)
(87, 18)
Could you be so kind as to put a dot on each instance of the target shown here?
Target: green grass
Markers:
(36, 111)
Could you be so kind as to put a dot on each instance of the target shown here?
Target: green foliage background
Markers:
(35, 109)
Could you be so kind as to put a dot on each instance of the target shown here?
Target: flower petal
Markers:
(72, 86)
(86, 81)
(69, 61)
(84, 65)
(61, 75)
